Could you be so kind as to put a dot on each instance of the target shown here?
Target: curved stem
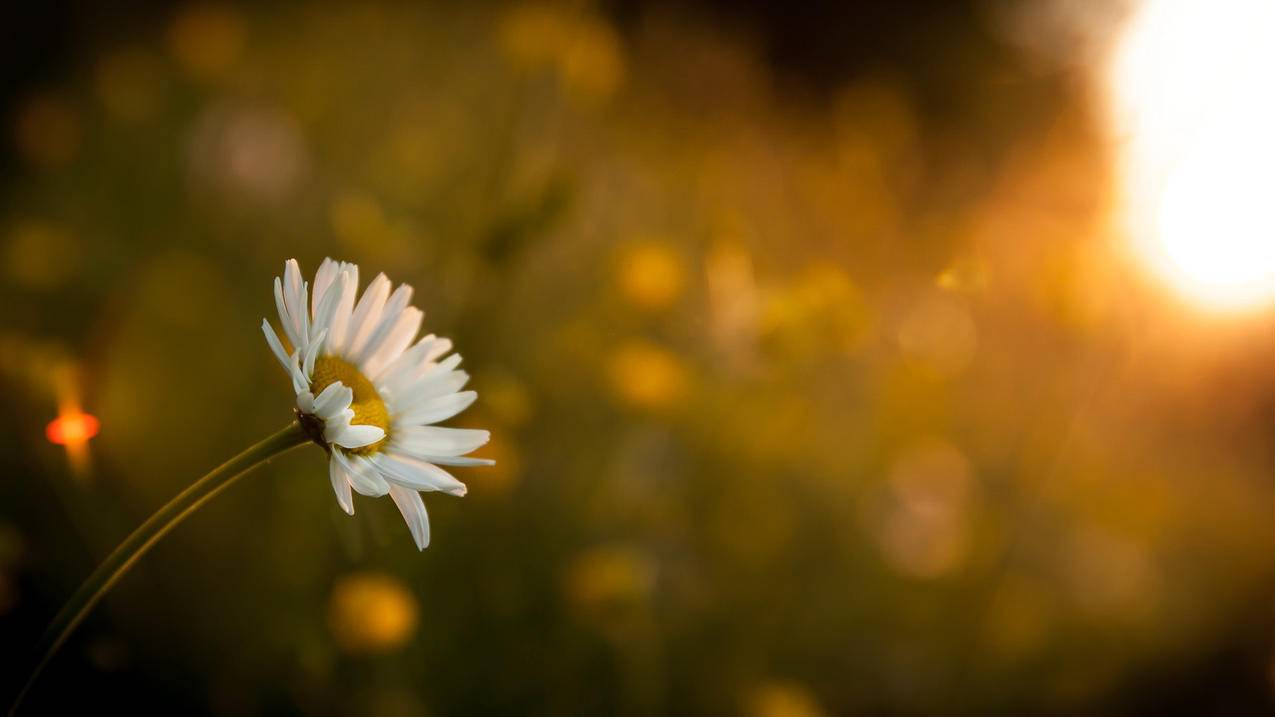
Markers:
(141, 540)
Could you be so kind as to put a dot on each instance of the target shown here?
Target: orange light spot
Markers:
(646, 376)
(372, 612)
(71, 429)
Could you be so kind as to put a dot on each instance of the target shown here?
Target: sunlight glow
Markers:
(1195, 111)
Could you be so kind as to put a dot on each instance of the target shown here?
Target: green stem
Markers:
(142, 539)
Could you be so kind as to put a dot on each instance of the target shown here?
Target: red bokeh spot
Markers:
(72, 428)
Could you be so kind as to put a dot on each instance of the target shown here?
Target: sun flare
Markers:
(1195, 114)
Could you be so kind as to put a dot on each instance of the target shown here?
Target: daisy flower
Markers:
(367, 394)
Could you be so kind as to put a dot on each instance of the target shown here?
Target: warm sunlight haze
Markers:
(906, 358)
(1194, 112)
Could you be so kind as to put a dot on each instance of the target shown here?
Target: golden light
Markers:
(1194, 112)
(646, 376)
(651, 275)
(371, 612)
(782, 699)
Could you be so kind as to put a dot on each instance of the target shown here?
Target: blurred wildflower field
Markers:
(806, 398)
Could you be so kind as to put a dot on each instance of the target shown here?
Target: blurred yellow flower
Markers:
(207, 39)
(507, 397)
(646, 376)
(782, 699)
(533, 33)
(592, 64)
(582, 49)
(371, 613)
(651, 275)
(609, 575)
(822, 310)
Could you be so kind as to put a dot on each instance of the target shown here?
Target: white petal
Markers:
(407, 383)
(407, 362)
(447, 364)
(367, 314)
(399, 300)
(413, 509)
(427, 389)
(285, 318)
(394, 307)
(312, 353)
(438, 409)
(425, 441)
(333, 400)
(416, 363)
(299, 381)
(460, 461)
(334, 425)
(294, 298)
(276, 346)
(357, 435)
(440, 348)
(412, 473)
(305, 402)
(341, 315)
(341, 486)
(322, 280)
(363, 476)
(303, 301)
(398, 338)
(327, 307)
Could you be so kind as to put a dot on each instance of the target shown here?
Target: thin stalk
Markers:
(141, 540)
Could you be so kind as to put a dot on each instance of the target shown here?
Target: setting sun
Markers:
(1194, 114)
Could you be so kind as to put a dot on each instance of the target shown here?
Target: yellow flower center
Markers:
(369, 409)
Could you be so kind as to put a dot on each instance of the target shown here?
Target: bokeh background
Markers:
(820, 375)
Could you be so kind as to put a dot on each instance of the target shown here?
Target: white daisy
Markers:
(365, 396)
